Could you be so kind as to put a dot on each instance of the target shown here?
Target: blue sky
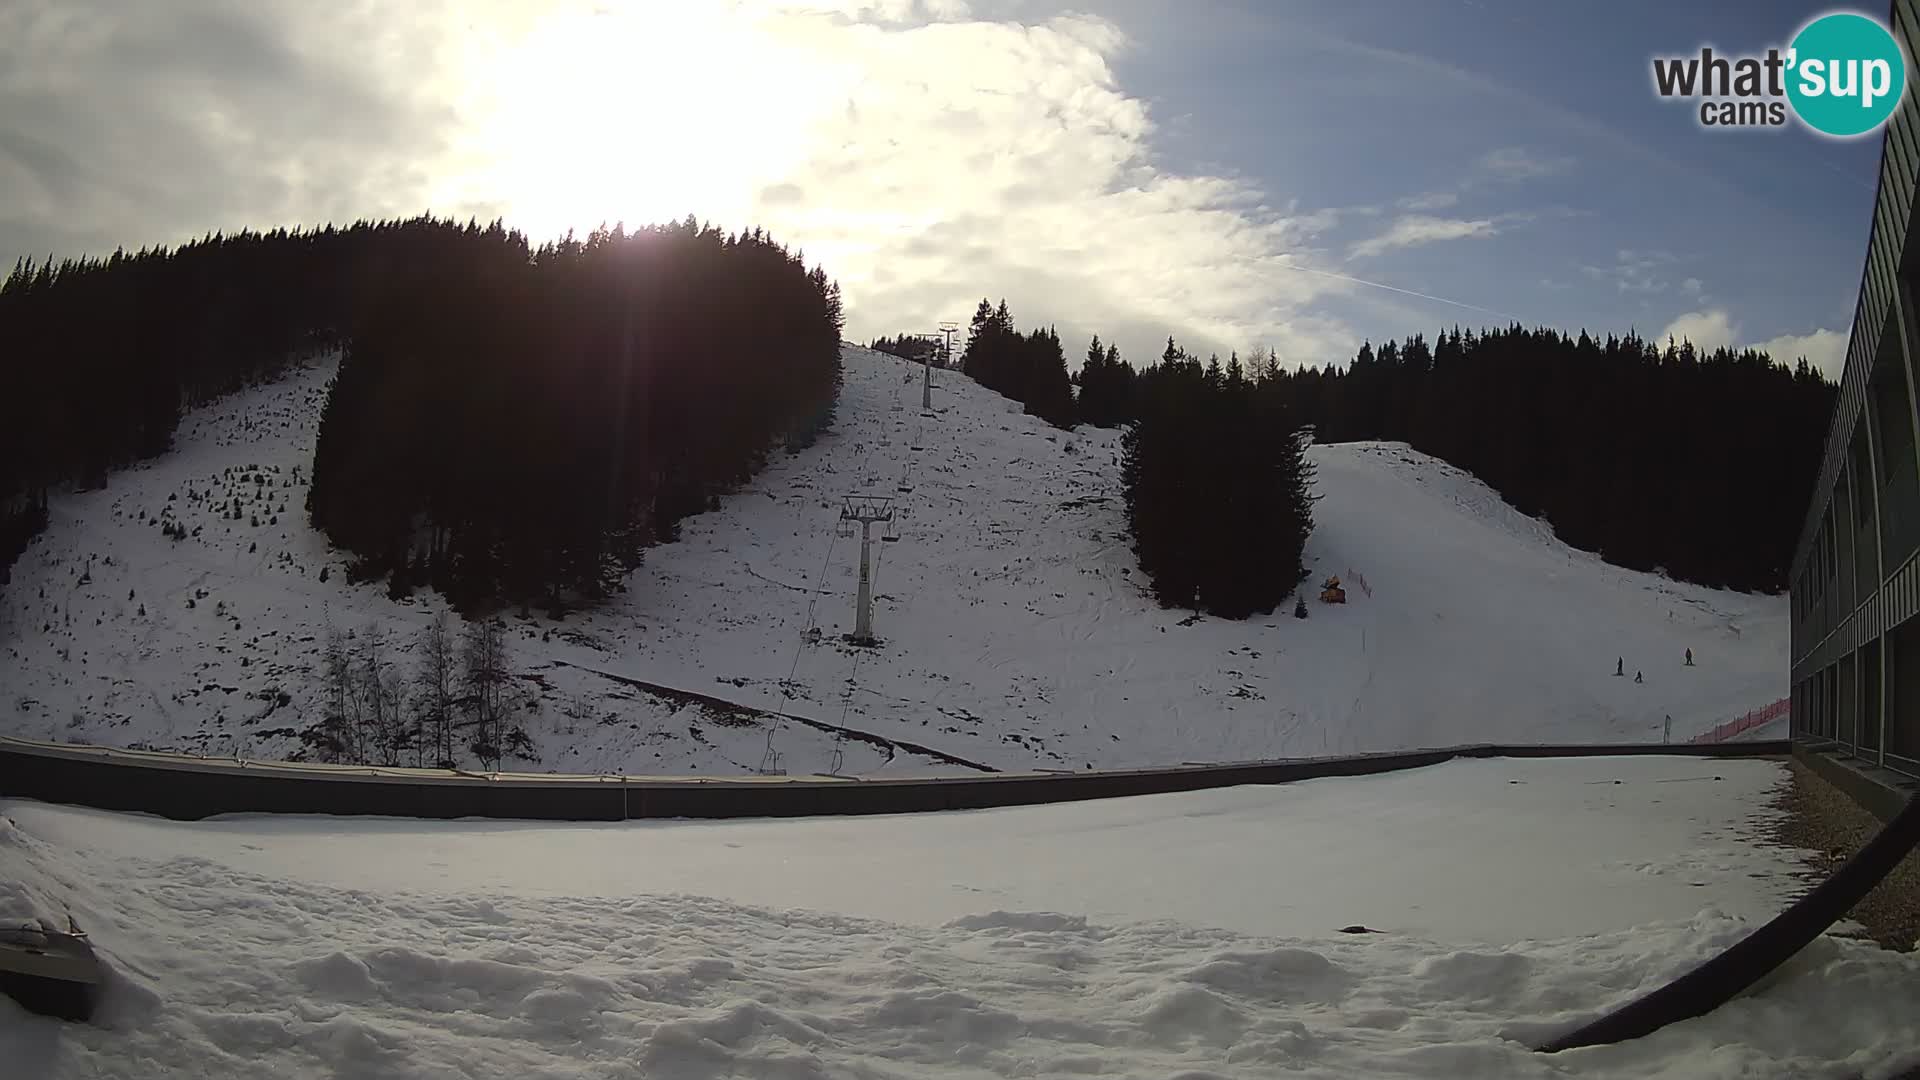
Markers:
(1370, 104)
(1218, 170)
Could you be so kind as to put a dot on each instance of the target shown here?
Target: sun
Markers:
(639, 113)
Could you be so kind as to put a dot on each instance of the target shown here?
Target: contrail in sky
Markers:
(1404, 292)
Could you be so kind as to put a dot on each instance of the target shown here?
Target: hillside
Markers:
(1015, 633)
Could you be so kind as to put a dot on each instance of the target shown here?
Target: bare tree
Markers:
(436, 684)
(341, 722)
(404, 730)
(483, 668)
(378, 689)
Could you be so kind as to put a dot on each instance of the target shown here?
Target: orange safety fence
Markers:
(1749, 721)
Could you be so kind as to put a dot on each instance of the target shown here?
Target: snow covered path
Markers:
(1189, 935)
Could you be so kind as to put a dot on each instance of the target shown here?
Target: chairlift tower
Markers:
(947, 330)
(865, 509)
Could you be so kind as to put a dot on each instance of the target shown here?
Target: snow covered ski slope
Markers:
(1016, 632)
(1029, 942)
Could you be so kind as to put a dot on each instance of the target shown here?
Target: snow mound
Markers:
(1016, 630)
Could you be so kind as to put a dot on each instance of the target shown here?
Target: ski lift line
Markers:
(846, 699)
(846, 708)
(813, 598)
(853, 673)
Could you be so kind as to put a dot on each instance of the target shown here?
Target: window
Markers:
(1903, 691)
(1866, 562)
(1845, 541)
(1899, 479)
(1846, 725)
(1870, 695)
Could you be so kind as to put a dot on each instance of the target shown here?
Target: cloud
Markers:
(1516, 163)
(1003, 159)
(922, 153)
(1825, 349)
(1423, 71)
(1432, 200)
(1708, 330)
(135, 124)
(1415, 229)
(895, 12)
(1691, 286)
(1714, 328)
(1637, 271)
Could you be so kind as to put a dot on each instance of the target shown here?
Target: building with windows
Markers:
(1855, 575)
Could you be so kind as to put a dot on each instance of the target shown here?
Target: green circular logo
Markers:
(1845, 74)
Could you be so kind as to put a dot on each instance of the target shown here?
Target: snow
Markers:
(1016, 630)
(1191, 935)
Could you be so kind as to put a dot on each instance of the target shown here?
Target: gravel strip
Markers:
(1830, 827)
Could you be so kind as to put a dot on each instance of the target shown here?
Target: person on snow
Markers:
(1637, 678)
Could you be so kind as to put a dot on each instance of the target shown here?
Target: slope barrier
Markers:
(187, 788)
(1740, 724)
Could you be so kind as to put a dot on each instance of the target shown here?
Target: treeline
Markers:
(521, 428)
(1217, 484)
(1668, 457)
(1106, 386)
(908, 347)
(510, 370)
(1215, 474)
(456, 698)
(1029, 368)
(1700, 463)
(103, 355)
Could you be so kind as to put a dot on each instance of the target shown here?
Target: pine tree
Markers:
(1210, 464)
(1106, 386)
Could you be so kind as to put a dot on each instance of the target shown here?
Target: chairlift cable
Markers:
(786, 689)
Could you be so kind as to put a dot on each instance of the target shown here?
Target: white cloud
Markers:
(881, 11)
(1708, 330)
(1432, 200)
(1691, 286)
(1825, 349)
(1415, 229)
(1517, 163)
(1637, 271)
(925, 155)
